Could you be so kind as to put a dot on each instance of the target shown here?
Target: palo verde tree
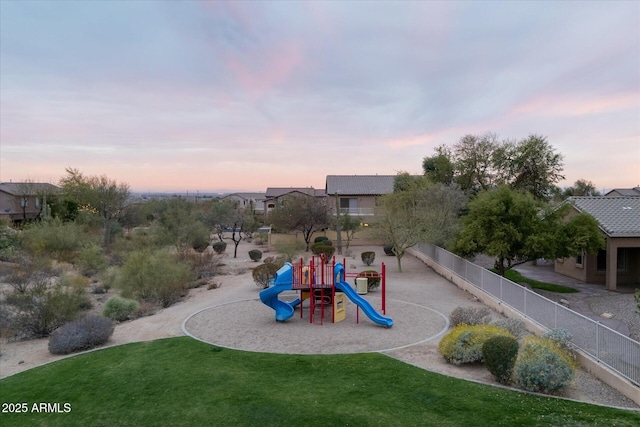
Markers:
(418, 211)
(303, 213)
(514, 227)
(96, 194)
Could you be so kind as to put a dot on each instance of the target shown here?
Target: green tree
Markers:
(534, 166)
(515, 228)
(439, 168)
(481, 162)
(422, 212)
(306, 214)
(98, 195)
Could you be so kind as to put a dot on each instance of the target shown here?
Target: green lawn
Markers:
(181, 381)
(515, 276)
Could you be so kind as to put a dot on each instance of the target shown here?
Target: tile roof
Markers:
(18, 188)
(625, 192)
(359, 184)
(279, 191)
(617, 216)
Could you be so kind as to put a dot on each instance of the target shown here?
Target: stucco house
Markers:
(356, 195)
(275, 195)
(245, 200)
(23, 201)
(619, 263)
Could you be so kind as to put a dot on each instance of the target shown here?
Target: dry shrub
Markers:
(470, 316)
(81, 334)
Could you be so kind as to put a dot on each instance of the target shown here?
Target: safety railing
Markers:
(609, 347)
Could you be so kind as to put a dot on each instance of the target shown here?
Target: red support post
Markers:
(384, 290)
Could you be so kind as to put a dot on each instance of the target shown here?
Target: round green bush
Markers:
(499, 354)
(368, 257)
(263, 273)
(373, 278)
(463, 344)
(388, 249)
(323, 249)
(322, 239)
(255, 255)
(219, 247)
(119, 309)
(543, 366)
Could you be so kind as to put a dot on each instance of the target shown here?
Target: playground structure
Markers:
(324, 285)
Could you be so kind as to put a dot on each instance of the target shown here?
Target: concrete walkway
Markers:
(593, 301)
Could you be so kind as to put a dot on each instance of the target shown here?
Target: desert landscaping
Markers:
(230, 314)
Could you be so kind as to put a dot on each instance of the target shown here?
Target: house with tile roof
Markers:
(23, 201)
(616, 192)
(246, 200)
(619, 263)
(275, 195)
(356, 195)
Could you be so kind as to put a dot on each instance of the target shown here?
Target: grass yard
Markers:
(183, 382)
(516, 277)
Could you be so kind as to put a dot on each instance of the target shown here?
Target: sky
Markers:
(241, 96)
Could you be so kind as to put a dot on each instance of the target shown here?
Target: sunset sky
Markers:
(240, 96)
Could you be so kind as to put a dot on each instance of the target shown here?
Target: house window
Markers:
(579, 260)
(348, 205)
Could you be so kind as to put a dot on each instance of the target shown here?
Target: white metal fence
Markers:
(609, 347)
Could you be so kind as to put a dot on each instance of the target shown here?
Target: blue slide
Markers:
(282, 282)
(364, 305)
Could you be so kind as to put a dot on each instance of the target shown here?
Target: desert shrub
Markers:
(92, 260)
(73, 280)
(516, 327)
(60, 240)
(41, 310)
(373, 278)
(30, 273)
(463, 344)
(322, 239)
(543, 366)
(562, 337)
(263, 273)
(81, 334)
(198, 236)
(9, 242)
(146, 308)
(368, 257)
(119, 309)
(323, 249)
(470, 316)
(110, 277)
(388, 250)
(277, 260)
(499, 354)
(289, 249)
(219, 247)
(204, 264)
(154, 276)
(255, 255)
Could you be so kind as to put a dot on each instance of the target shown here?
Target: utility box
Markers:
(362, 285)
(339, 307)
